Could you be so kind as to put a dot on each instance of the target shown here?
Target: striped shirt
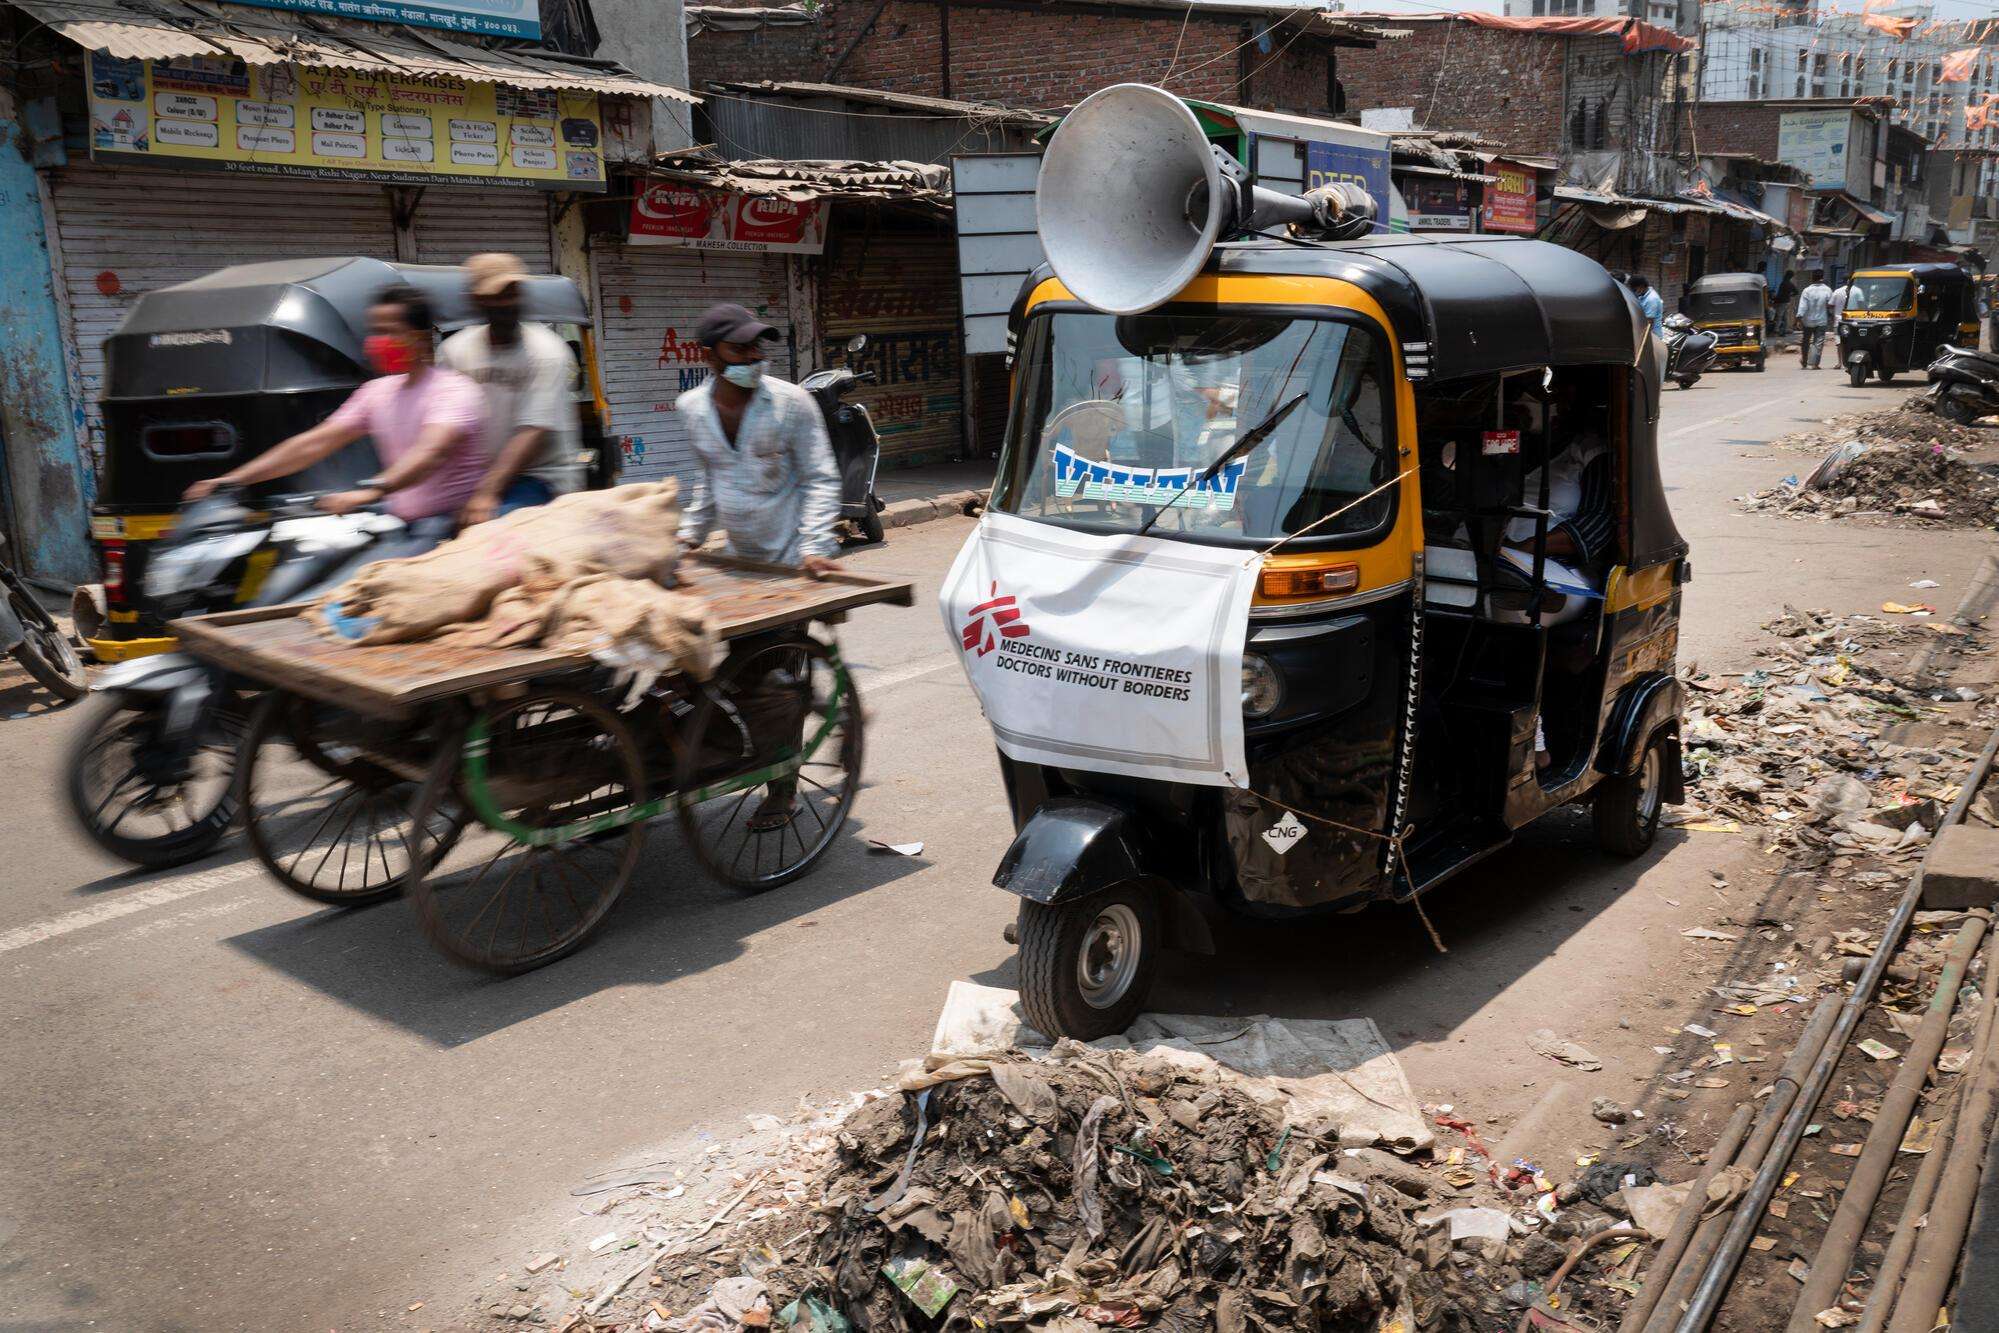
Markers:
(775, 490)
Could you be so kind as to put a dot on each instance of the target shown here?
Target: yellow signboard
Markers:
(289, 120)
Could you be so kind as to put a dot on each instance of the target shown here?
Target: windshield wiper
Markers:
(1256, 435)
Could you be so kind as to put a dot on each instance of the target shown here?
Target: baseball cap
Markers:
(730, 324)
(491, 274)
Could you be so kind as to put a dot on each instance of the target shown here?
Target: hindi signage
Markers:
(490, 18)
(1509, 200)
(215, 113)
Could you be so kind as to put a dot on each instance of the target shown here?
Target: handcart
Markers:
(507, 791)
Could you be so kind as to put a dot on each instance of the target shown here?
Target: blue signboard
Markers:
(487, 18)
(1368, 167)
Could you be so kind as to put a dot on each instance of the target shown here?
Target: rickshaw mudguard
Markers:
(1070, 847)
(1651, 702)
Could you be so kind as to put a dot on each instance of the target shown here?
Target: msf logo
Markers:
(990, 621)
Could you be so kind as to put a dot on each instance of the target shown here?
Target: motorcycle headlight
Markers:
(195, 564)
(1262, 687)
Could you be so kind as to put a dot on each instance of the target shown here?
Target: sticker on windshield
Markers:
(1076, 475)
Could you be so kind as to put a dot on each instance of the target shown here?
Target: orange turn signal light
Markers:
(1290, 582)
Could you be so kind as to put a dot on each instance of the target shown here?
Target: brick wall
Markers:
(1507, 86)
(1737, 127)
(1023, 58)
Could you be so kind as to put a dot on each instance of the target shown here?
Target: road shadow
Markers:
(673, 922)
(1499, 920)
(21, 695)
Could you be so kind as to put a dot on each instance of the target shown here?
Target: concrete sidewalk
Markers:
(934, 490)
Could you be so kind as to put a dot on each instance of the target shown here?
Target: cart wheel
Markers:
(1085, 966)
(498, 899)
(753, 716)
(326, 821)
(1627, 807)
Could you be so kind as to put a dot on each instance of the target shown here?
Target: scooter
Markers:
(37, 642)
(150, 773)
(1964, 384)
(1689, 351)
(856, 448)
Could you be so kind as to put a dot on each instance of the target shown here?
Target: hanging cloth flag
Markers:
(1957, 66)
(1899, 29)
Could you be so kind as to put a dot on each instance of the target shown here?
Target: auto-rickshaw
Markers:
(1735, 307)
(1429, 464)
(205, 374)
(1898, 315)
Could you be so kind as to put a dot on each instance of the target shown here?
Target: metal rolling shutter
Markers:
(901, 289)
(455, 221)
(649, 298)
(130, 231)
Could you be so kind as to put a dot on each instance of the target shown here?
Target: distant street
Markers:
(225, 1108)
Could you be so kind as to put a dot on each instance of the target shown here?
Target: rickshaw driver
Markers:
(428, 425)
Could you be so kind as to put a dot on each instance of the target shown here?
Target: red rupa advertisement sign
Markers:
(664, 213)
(1509, 198)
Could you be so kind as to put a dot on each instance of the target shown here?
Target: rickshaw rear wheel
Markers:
(1086, 966)
(325, 820)
(1627, 806)
(752, 839)
(501, 902)
(1886, 374)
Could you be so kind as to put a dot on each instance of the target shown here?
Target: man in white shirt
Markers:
(528, 377)
(1814, 311)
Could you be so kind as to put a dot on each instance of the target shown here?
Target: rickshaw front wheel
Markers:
(1856, 373)
(1086, 966)
(1627, 806)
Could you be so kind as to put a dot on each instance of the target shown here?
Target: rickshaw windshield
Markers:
(1879, 293)
(1122, 416)
(1724, 303)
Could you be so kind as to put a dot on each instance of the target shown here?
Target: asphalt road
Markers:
(224, 1108)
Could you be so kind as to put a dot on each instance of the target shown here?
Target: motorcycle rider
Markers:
(428, 425)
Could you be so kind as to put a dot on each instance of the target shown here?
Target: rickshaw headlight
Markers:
(1262, 687)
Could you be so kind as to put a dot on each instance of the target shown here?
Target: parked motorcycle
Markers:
(1964, 384)
(1690, 352)
(856, 448)
(150, 773)
(37, 642)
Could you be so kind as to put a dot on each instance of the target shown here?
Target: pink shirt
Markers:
(395, 412)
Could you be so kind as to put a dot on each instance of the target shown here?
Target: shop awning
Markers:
(165, 29)
(1400, 169)
(1860, 208)
(918, 183)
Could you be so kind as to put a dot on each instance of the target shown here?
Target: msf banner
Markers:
(1108, 654)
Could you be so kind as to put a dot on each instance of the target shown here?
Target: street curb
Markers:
(909, 513)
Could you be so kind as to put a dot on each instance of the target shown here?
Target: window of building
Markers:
(1818, 76)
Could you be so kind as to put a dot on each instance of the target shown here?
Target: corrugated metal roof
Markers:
(723, 18)
(799, 181)
(164, 29)
(911, 102)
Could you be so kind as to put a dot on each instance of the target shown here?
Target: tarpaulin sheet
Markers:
(1637, 36)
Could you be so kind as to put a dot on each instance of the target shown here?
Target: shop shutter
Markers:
(455, 221)
(901, 289)
(127, 232)
(649, 298)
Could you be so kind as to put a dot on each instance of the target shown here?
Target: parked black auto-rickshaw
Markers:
(1472, 621)
(1898, 315)
(205, 374)
(1735, 307)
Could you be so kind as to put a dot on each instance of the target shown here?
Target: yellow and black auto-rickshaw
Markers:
(206, 374)
(1898, 315)
(1735, 307)
(1435, 463)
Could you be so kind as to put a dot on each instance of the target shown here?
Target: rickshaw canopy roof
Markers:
(1950, 275)
(1729, 282)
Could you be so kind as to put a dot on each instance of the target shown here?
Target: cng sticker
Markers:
(1285, 834)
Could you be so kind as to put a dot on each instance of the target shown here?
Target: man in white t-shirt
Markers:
(528, 375)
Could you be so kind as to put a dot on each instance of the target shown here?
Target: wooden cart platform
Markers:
(278, 646)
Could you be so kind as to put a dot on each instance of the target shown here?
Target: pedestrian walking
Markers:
(1814, 309)
(1787, 295)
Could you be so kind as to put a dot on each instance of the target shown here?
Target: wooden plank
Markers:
(279, 646)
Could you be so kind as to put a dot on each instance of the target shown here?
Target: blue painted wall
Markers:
(49, 483)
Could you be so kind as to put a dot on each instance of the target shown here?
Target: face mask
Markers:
(387, 353)
(745, 376)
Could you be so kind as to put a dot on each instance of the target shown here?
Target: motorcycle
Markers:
(150, 773)
(37, 642)
(1964, 384)
(1690, 352)
(856, 448)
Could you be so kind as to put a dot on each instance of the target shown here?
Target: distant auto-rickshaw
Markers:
(1433, 462)
(1898, 315)
(1735, 307)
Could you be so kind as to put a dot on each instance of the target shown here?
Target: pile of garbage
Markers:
(1086, 1188)
(1797, 745)
(1899, 462)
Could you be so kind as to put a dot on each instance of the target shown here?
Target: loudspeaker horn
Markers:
(1132, 197)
